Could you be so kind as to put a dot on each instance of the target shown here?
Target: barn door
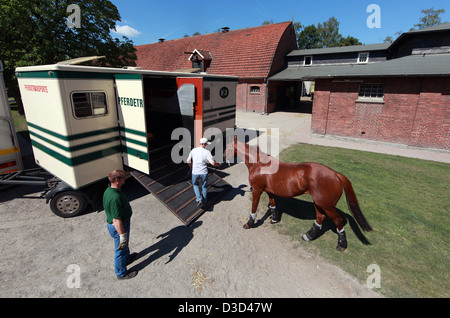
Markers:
(131, 114)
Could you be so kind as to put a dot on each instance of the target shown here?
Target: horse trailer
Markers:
(86, 121)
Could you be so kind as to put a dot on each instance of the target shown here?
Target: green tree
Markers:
(36, 32)
(308, 38)
(267, 22)
(326, 34)
(329, 33)
(430, 18)
(348, 41)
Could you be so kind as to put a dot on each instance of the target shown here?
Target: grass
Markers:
(407, 203)
(20, 122)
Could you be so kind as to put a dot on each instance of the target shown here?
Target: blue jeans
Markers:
(120, 257)
(196, 179)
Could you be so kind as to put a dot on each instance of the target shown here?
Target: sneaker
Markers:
(129, 275)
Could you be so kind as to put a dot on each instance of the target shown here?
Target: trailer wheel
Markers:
(68, 204)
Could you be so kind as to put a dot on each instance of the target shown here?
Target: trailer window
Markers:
(89, 104)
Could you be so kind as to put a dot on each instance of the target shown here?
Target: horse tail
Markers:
(352, 203)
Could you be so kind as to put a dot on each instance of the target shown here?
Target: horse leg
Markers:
(276, 215)
(314, 232)
(339, 222)
(256, 194)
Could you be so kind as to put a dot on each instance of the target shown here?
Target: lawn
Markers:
(20, 122)
(406, 201)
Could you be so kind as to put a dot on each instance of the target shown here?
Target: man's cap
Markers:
(204, 141)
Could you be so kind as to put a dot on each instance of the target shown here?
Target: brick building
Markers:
(397, 93)
(252, 54)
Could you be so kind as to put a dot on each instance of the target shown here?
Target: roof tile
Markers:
(244, 52)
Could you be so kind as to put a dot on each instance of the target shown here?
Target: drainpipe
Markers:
(266, 97)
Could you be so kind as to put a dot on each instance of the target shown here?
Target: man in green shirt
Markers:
(118, 215)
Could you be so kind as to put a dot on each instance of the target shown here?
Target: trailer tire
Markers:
(68, 204)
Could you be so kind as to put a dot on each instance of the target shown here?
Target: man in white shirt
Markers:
(200, 157)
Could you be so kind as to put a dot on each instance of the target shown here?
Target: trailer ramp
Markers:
(171, 184)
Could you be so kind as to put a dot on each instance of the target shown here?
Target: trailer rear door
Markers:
(190, 96)
(131, 114)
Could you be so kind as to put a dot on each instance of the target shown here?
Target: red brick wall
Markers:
(432, 122)
(246, 101)
(415, 112)
(250, 102)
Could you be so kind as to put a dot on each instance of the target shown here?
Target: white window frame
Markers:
(91, 104)
(256, 90)
(372, 93)
(366, 60)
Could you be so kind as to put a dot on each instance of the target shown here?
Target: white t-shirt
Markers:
(200, 158)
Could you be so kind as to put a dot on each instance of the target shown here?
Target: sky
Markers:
(145, 21)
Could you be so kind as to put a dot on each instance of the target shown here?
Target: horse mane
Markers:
(254, 149)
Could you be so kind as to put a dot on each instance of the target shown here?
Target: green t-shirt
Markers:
(116, 205)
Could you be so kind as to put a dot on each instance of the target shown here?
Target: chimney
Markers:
(225, 29)
(161, 40)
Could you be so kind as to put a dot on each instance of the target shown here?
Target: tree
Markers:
(267, 22)
(308, 38)
(35, 32)
(431, 18)
(326, 34)
(388, 39)
(329, 33)
(348, 41)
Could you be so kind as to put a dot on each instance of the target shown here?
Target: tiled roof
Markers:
(247, 53)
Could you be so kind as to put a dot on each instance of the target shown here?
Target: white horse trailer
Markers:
(87, 121)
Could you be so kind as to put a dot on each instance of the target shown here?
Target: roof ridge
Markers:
(212, 33)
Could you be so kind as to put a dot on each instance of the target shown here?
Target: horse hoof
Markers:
(340, 248)
(305, 238)
(247, 226)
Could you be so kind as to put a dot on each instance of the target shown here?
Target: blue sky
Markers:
(145, 21)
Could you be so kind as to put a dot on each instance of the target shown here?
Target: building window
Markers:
(197, 64)
(363, 57)
(307, 61)
(371, 92)
(89, 104)
(255, 90)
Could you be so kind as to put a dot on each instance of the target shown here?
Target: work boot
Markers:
(129, 275)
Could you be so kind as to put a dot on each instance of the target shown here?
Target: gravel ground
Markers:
(42, 255)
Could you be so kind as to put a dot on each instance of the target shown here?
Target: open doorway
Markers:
(162, 112)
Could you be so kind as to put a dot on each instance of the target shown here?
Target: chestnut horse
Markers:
(288, 180)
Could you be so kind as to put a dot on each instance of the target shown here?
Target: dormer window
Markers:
(197, 63)
(307, 61)
(363, 57)
(201, 59)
